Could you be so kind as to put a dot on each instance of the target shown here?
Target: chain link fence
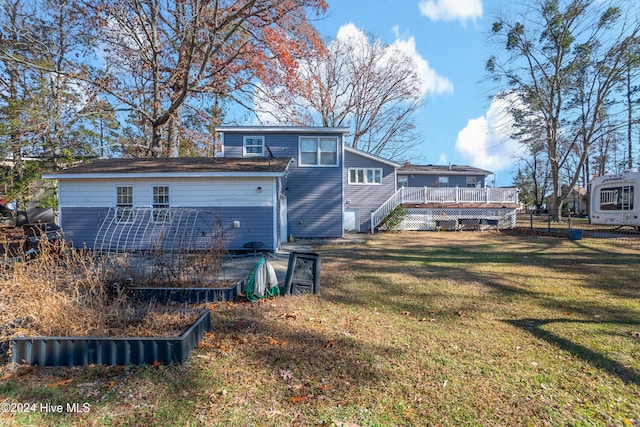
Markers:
(576, 228)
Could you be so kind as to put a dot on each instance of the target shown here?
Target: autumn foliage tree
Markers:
(162, 61)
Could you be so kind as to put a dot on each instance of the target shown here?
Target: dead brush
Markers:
(67, 292)
(184, 266)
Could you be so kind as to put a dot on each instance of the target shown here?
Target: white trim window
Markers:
(318, 151)
(253, 146)
(160, 212)
(365, 176)
(443, 181)
(124, 204)
(403, 181)
(471, 182)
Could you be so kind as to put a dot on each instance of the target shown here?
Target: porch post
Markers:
(372, 226)
(457, 195)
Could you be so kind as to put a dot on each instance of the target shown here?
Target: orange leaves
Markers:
(108, 386)
(292, 315)
(275, 342)
(306, 398)
(301, 399)
(60, 383)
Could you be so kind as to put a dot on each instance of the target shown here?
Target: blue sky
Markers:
(460, 122)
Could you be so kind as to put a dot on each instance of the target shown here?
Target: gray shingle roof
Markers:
(442, 170)
(179, 165)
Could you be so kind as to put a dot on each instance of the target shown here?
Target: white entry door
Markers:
(352, 220)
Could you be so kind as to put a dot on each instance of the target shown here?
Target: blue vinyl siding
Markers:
(424, 180)
(314, 194)
(256, 224)
(80, 225)
(367, 198)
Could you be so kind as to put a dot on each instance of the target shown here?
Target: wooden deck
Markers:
(428, 205)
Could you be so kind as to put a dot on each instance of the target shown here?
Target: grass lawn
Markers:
(412, 328)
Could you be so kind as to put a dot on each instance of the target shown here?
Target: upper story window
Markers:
(124, 204)
(616, 198)
(316, 151)
(443, 181)
(365, 176)
(160, 206)
(253, 146)
(471, 181)
(403, 181)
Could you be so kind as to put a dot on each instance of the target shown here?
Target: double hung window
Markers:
(253, 146)
(124, 204)
(317, 151)
(161, 204)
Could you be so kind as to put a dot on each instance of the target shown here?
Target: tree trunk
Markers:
(629, 117)
(173, 140)
(156, 141)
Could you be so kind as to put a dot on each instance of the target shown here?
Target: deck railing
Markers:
(443, 195)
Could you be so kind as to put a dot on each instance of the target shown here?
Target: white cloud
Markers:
(451, 10)
(355, 36)
(432, 82)
(486, 141)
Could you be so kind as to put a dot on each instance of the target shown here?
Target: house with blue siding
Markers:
(442, 176)
(268, 184)
(313, 194)
(369, 181)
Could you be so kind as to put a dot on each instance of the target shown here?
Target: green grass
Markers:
(472, 328)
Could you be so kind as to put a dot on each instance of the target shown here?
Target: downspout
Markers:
(342, 174)
(276, 215)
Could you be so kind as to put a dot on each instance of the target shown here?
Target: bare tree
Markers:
(565, 58)
(362, 84)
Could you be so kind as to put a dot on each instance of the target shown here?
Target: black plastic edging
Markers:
(184, 295)
(83, 351)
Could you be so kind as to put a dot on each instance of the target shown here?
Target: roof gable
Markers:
(371, 156)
